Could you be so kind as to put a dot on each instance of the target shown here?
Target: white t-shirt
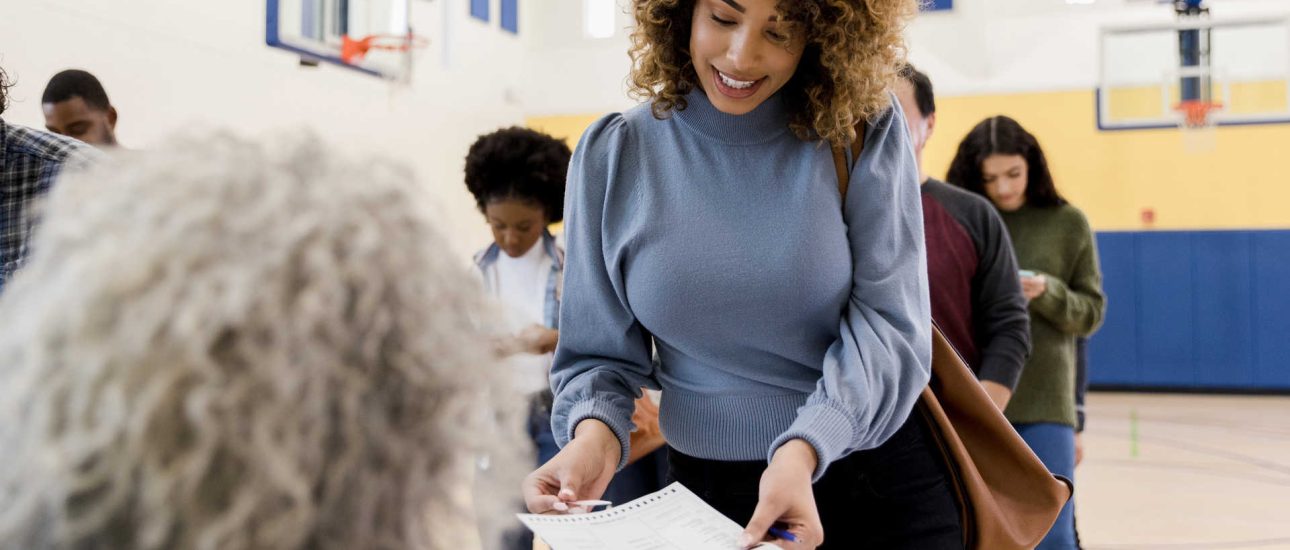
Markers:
(521, 285)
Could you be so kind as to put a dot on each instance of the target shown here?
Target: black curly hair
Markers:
(518, 163)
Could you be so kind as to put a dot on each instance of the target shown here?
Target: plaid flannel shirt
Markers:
(30, 161)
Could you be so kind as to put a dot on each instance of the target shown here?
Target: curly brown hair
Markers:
(854, 50)
(5, 84)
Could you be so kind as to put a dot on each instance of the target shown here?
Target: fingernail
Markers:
(561, 507)
(745, 540)
(566, 493)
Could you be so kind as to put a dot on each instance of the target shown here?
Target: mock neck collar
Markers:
(767, 121)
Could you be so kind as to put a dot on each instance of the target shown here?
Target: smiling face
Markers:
(743, 52)
(1004, 179)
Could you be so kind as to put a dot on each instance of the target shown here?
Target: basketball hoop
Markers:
(1198, 127)
(1196, 113)
(352, 51)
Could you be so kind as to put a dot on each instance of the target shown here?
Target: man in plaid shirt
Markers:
(30, 161)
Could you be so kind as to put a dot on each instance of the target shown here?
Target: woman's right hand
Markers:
(580, 471)
(785, 497)
(1033, 287)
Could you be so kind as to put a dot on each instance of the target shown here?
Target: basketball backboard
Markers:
(1150, 77)
(369, 36)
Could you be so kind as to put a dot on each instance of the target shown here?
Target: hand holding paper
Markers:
(671, 519)
(581, 470)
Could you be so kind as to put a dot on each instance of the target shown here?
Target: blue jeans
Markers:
(1055, 445)
(542, 436)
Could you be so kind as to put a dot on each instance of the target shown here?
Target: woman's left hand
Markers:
(1034, 287)
(786, 498)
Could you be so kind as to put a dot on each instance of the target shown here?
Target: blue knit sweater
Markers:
(721, 240)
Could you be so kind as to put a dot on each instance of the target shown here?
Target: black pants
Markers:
(895, 496)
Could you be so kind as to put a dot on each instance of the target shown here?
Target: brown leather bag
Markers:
(1007, 498)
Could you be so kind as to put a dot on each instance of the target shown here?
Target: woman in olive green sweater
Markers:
(1060, 278)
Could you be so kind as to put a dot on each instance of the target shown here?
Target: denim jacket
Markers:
(486, 261)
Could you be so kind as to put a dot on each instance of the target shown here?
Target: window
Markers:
(598, 18)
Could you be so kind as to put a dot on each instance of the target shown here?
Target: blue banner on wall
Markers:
(510, 16)
(938, 5)
(479, 9)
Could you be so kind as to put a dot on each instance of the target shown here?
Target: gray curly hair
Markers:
(229, 345)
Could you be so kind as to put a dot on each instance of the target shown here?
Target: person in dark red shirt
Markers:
(972, 269)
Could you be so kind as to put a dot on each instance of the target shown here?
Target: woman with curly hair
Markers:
(1061, 281)
(223, 345)
(792, 328)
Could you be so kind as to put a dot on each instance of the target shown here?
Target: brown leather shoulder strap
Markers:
(840, 161)
(843, 171)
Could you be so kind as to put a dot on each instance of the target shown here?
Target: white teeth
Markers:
(736, 84)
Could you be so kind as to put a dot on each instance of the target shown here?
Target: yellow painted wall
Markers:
(1242, 183)
(1260, 97)
(568, 128)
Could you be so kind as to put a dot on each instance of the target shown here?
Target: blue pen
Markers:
(783, 534)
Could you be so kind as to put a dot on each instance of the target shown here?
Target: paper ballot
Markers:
(671, 519)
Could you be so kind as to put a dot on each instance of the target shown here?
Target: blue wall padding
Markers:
(1272, 309)
(1114, 348)
(1223, 302)
(1194, 310)
(1165, 319)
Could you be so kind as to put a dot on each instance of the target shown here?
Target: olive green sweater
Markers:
(1057, 243)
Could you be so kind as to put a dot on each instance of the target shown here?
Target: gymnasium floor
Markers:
(1197, 472)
